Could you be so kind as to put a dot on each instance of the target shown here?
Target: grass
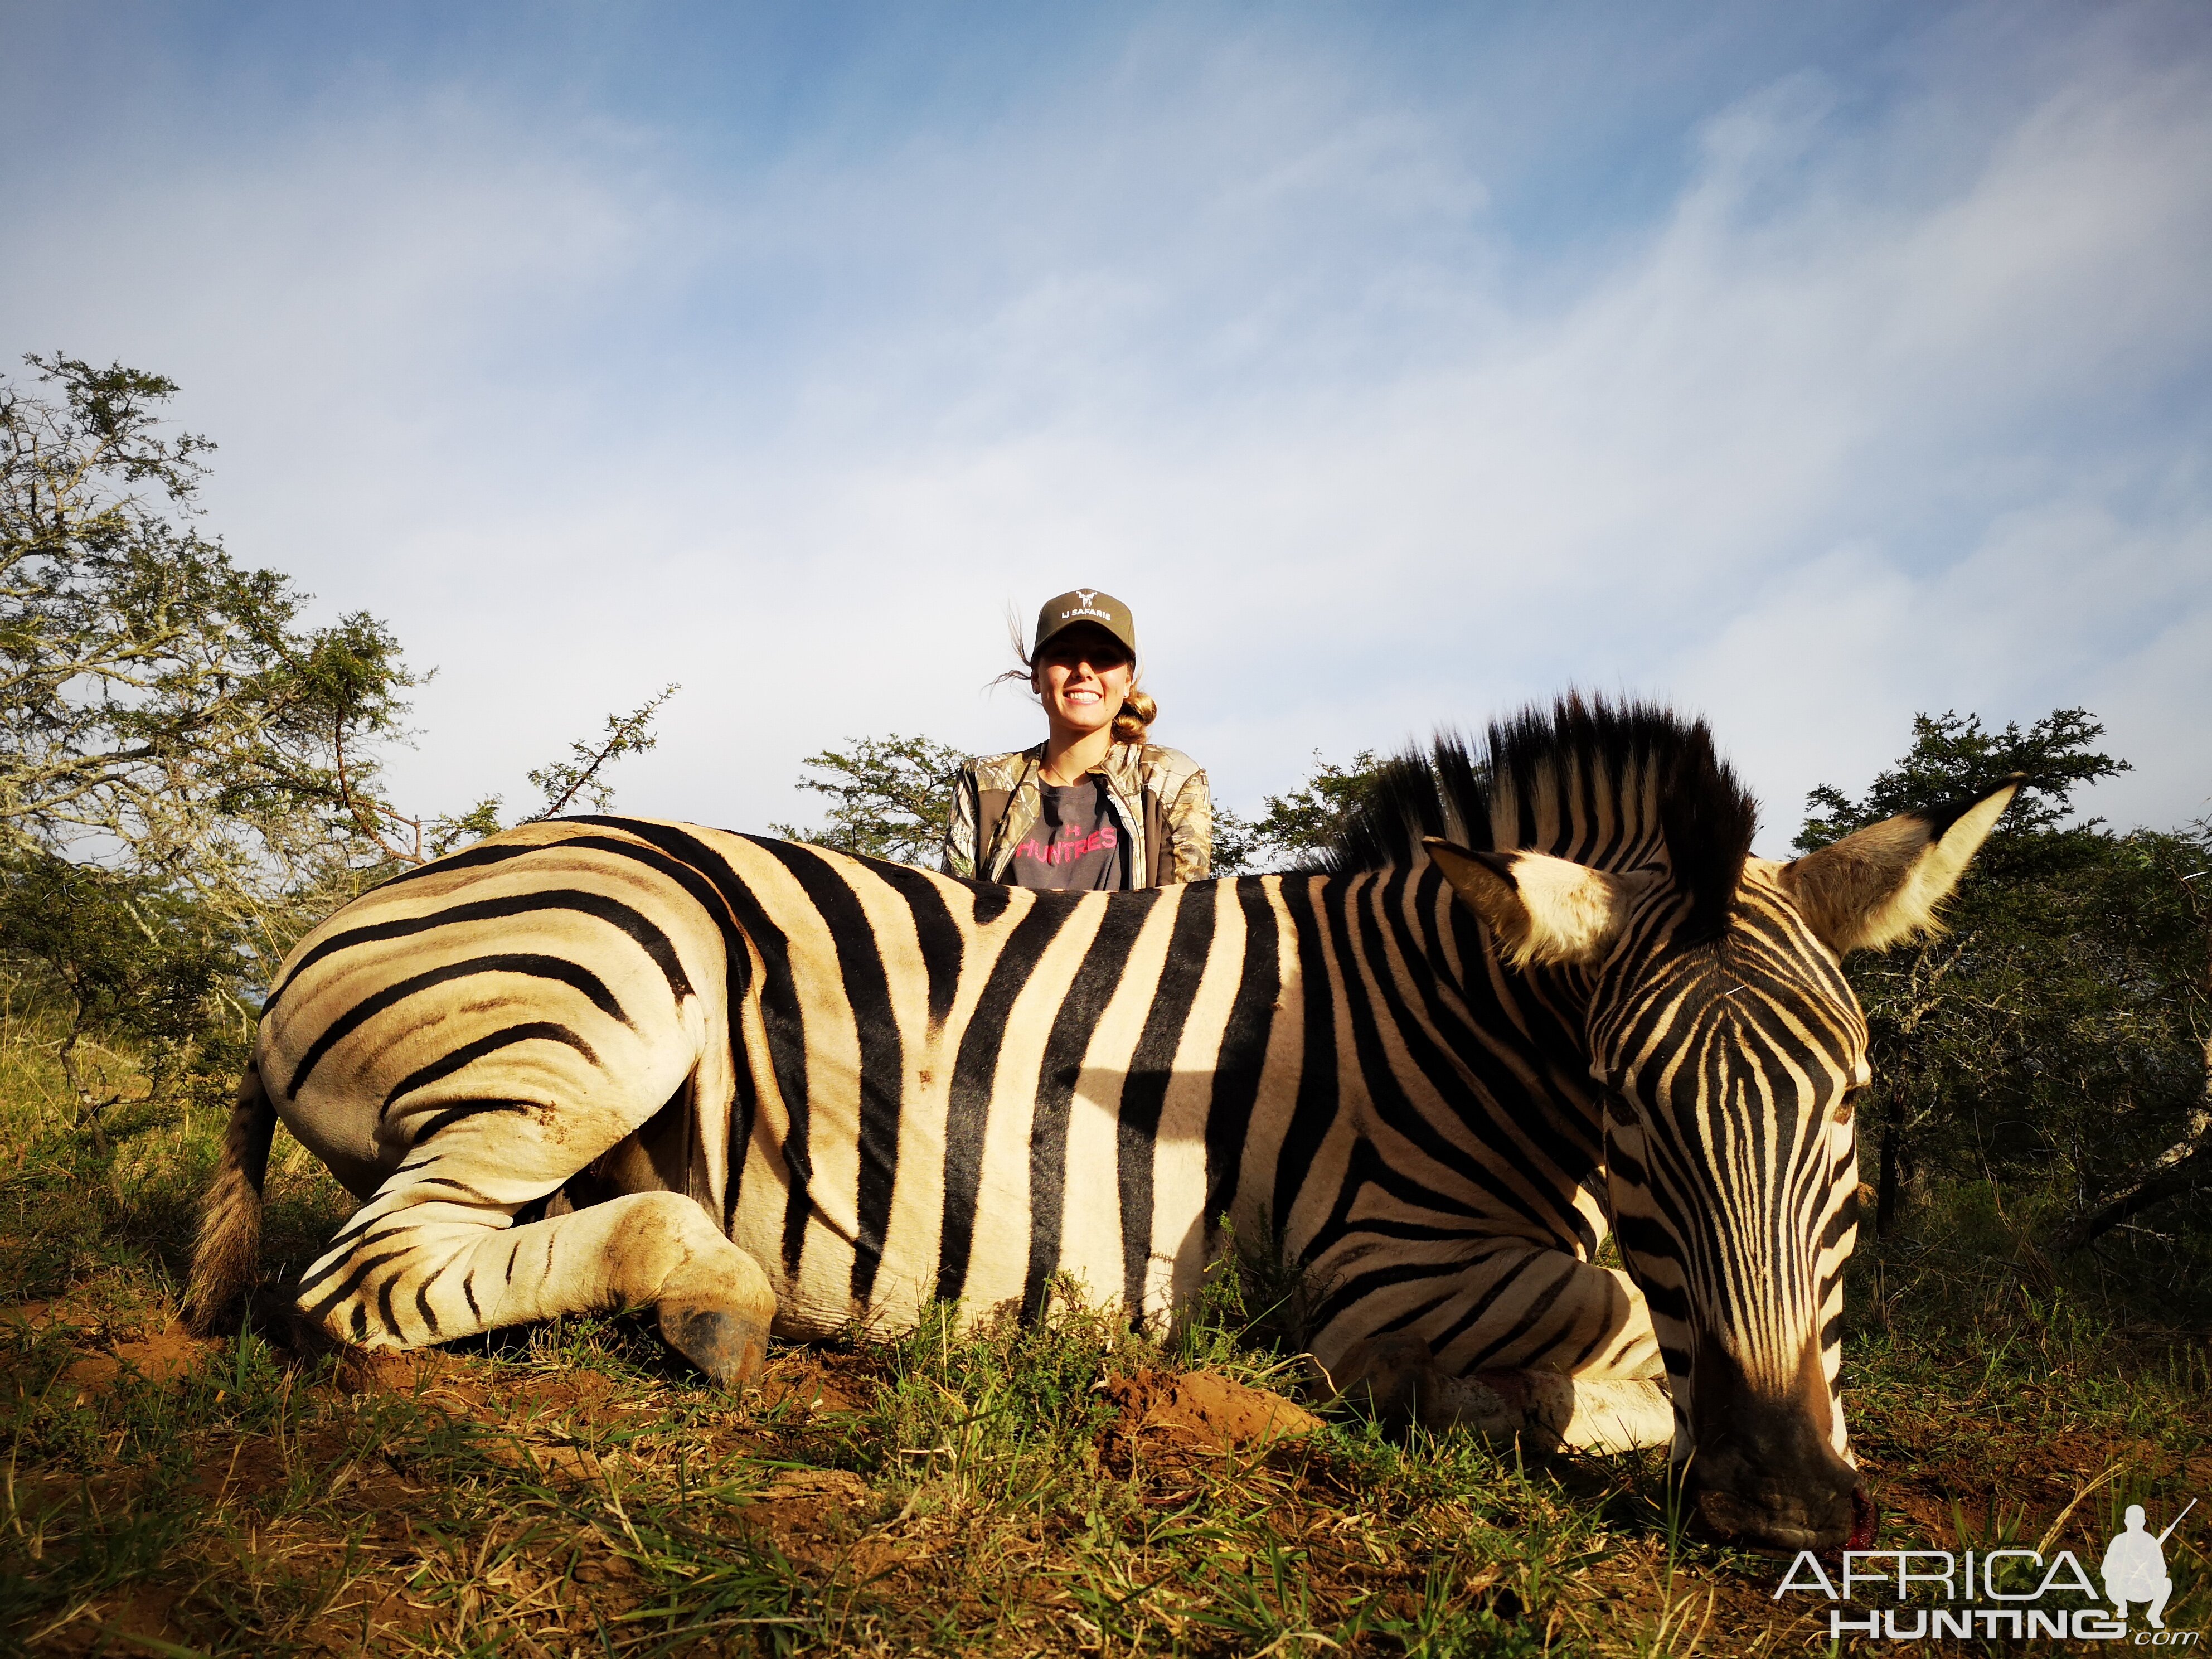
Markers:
(567, 1489)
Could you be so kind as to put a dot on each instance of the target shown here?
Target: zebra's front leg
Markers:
(430, 1258)
(1399, 1380)
(1527, 1342)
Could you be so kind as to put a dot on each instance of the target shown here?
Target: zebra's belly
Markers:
(1114, 1225)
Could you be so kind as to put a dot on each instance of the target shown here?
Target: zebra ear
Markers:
(1885, 883)
(1543, 910)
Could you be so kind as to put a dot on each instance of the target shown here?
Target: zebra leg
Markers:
(432, 1257)
(1399, 1379)
(1528, 1341)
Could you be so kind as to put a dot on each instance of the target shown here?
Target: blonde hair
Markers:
(1137, 712)
(1139, 709)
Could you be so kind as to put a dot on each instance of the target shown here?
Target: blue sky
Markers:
(1399, 364)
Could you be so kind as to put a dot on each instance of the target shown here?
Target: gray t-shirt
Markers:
(1077, 843)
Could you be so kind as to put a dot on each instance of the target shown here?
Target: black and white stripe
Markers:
(616, 1059)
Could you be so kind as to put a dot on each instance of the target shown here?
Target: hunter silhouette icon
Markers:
(2135, 1567)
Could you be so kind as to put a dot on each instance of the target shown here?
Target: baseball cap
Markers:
(1086, 605)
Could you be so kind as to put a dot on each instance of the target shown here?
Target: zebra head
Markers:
(1728, 1051)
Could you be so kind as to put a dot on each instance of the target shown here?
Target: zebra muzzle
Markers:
(1774, 1519)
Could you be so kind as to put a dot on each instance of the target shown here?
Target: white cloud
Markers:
(1893, 406)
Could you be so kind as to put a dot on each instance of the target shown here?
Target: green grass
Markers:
(566, 1489)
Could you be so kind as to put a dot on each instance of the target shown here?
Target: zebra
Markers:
(1539, 992)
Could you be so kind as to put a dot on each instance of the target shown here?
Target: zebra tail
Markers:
(227, 1260)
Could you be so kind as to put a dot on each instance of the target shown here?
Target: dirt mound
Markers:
(1200, 1411)
(814, 1515)
(35, 1316)
(164, 1356)
(805, 1385)
(360, 1370)
(167, 1353)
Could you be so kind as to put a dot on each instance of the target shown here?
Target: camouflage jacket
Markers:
(1159, 795)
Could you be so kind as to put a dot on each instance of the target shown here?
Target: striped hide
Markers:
(764, 1086)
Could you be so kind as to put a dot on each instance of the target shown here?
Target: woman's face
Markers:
(1082, 676)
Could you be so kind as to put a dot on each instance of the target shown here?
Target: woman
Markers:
(1093, 806)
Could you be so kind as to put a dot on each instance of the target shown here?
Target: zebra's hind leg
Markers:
(1400, 1381)
(431, 1257)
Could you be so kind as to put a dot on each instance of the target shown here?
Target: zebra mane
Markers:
(1612, 785)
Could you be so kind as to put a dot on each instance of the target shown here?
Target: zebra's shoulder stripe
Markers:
(1073, 1022)
(1144, 1096)
(974, 1072)
(883, 1061)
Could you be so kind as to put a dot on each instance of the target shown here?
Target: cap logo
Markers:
(1080, 604)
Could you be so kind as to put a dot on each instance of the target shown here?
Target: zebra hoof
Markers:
(727, 1346)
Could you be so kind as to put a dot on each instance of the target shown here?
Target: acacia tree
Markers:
(891, 796)
(2052, 1040)
(1299, 825)
(189, 773)
(162, 709)
(120, 957)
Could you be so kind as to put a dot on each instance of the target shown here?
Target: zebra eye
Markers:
(1848, 1104)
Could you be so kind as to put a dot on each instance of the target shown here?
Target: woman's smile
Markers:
(1096, 806)
(1083, 679)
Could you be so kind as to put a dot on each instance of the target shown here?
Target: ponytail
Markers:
(1138, 711)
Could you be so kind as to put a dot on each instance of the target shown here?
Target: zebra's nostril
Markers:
(1866, 1521)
